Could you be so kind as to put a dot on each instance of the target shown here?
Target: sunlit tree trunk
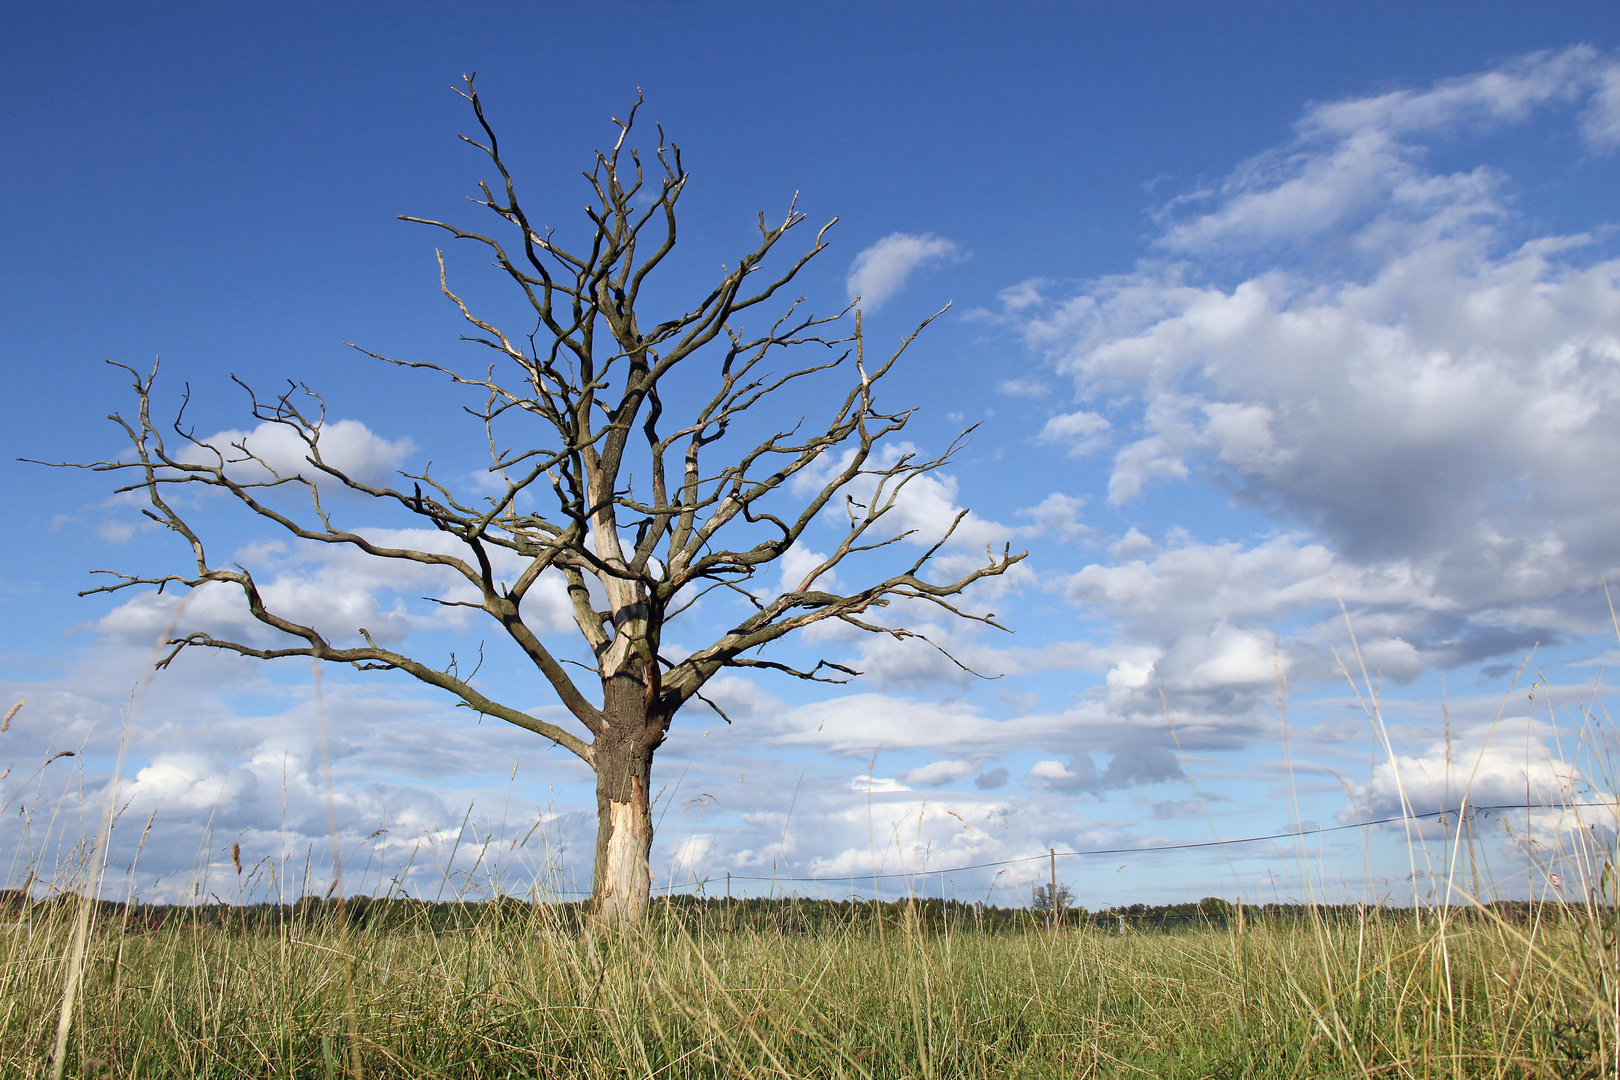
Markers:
(622, 884)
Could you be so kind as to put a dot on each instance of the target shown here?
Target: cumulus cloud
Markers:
(1504, 764)
(1141, 765)
(857, 724)
(1384, 358)
(1079, 775)
(1058, 515)
(991, 779)
(1025, 387)
(1452, 386)
(936, 773)
(890, 663)
(798, 563)
(1129, 767)
(882, 270)
(909, 836)
(404, 762)
(1432, 367)
(871, 785)
(925, 507)
(338, 589)
(1493, 769)
(740, 698)
(1080, 433)
(346, 445)
(1358, 162)
(1600, 124)
(222, 752)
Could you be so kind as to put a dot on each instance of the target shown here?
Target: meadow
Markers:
(778, 989)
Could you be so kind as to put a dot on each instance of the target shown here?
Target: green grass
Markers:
(513, 991)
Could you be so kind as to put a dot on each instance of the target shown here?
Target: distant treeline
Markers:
(780, 915)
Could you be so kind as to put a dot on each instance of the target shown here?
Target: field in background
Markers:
(762, 990)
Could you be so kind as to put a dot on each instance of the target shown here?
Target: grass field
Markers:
(515, 990)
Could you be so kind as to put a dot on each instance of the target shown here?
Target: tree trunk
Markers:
(623, 882)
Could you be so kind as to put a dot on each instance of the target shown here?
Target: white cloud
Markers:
(346, 445)
(1220, 623)
(1051, 770)
(928, 506)
(338, 589)
(911, 836)
(857, 724)
(1385, 411)
(1360, 159)
(1506, 94)
(1503, 764)
(1133, 544)
(1022, 295)
(1080, 433)
(991, 779)
(1025, 387)
(925, 506)
(404, 761)
(1226, 657)
(690, 857)
(882, 270)
(117, 532)
(740, 698)
(1129, 768)
(206, 775)
(1600, 124)
(1205, 583)
(1380, 355)
(797, 563)
(936, 773)
(1495, 768)
(876, 785)
(890, 663)
(1058, 515)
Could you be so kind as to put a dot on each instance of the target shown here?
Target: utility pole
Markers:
(1056, 910)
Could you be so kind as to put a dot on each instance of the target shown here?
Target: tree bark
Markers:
(622, 884)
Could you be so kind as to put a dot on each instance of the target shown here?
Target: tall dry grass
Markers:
(516, 991)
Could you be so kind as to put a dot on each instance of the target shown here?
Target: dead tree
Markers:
(642, 522)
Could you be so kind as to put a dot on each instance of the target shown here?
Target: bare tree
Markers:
(1050, 899)
(643, 523)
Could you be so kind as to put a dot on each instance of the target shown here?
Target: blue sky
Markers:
(1256, 307)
